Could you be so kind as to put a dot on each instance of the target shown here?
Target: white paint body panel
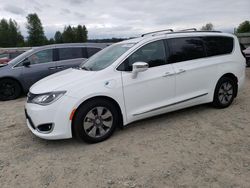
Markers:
(150, 93)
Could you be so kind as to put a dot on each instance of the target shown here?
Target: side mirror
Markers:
(139, 67)
(26, 63)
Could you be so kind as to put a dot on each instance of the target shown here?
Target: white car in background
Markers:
(136, 79)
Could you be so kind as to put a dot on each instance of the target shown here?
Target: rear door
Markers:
(41, 65)
(194, 71)
(69, 57)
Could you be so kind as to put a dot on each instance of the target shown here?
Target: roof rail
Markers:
(176, 32)
(190, 29)
(171, 31)
(160, 31)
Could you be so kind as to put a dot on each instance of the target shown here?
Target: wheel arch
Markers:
(99, 97)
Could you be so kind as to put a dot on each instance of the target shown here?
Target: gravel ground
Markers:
(196, 147)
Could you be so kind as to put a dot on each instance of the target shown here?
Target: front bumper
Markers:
(57, 114)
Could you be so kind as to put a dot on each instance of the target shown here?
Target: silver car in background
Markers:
(21, 73)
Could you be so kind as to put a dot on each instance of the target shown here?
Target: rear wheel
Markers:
(225, 92)
(248, 62)
(9, 89)
(95, 121)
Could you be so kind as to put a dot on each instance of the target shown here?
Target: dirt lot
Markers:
(195, 147)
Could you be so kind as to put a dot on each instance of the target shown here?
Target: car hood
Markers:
(62, 80)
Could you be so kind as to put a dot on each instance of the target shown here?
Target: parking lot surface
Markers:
(195, 147)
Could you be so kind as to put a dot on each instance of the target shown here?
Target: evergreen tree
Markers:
(244, 27)
(68, 35)
(10, 35)
(58, 37)
(85, 33)
(15, 37)
(34, 26)
(79, 33)
(4, 33)
(72, 34)
(51, 41)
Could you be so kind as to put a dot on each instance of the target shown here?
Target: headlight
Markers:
(47, 98)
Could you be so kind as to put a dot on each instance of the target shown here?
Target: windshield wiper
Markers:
(85, 68)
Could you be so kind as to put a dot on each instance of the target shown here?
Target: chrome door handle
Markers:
(168, 74)
(52, 68)
(181, 71)
(60, 67)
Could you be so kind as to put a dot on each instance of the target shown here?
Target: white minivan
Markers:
(136, 79)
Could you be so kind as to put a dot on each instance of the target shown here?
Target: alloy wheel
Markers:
(98, 122)
(225, 93)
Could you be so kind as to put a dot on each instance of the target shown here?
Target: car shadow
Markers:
(168, 116)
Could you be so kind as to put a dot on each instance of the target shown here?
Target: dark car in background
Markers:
(247, 55)
(18, 75)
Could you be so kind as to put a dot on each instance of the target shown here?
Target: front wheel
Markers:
(225, 92)
(9, 89)
(95, 121)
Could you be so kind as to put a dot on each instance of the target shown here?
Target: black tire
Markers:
(9, 89)
(225, 92)
(248, 63)
(90, 108)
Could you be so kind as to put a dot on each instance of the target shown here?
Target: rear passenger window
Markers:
(92, 51)
(218, 45)
(70, 53)
(184, 49)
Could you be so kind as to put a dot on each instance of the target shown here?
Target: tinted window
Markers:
(70, 53)
(92, 51)
(44, 56)
(183, 49)
(218, 45)
(153, 54)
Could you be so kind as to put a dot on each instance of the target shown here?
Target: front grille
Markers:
(30, 97)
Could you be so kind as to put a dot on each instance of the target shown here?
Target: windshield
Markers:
(106, 57)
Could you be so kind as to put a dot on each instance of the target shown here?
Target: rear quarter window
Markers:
(218, 45)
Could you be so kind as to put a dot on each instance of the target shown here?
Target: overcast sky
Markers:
(124, 18)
